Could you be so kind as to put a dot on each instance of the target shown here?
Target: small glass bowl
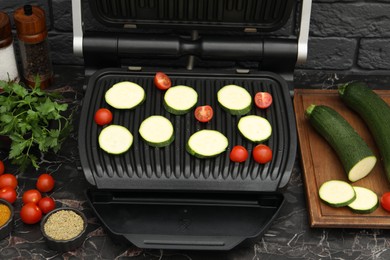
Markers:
(6, 229)
(65, 245)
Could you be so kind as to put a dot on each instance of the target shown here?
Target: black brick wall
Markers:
(347, 37)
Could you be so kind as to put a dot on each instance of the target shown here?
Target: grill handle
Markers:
(278, 55)
(185, 242)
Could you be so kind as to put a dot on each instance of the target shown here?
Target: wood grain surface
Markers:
(320, 164)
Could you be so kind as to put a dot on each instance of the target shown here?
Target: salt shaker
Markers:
(31, 30)
(8, 66)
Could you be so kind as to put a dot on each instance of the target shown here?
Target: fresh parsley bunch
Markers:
(31, 118)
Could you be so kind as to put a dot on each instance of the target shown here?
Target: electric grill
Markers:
(164, 197)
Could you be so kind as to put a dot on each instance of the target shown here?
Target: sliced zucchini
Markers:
(235, 99)
(255, 128)
(115, 139)
(157, 131)
(125, 95)
(366, 201)
(207, 143)
(337, 193)
(179, 100)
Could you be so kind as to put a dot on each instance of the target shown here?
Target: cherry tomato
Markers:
(385, 201)
(8, 180)
(1, 167)
(8, 193)
(30, 213)
(204, 113)
(162, 81)
(33, 196)
(46, 204)
(103, 116)
(263, 99)
(262, 153)
(45, 182)
(238, 154)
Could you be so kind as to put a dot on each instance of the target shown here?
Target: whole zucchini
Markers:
(356, 157)
(374, 111)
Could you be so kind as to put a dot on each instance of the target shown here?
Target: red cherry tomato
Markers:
(45, 182)
(33, 196)
(8, 193)
(263, 99)
(46, 204)
(1, 167)
(204, 113)
(385, 201)
(162, 81)
(238, 154)
(8, 180)
(30, 213)
(262, 153)
(103, 116)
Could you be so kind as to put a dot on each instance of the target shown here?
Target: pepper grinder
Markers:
(8, 67)
(31, 29)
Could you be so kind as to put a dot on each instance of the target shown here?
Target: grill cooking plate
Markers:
(172, 168)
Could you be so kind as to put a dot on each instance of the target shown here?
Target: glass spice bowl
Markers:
(6, 225)
(64, 229)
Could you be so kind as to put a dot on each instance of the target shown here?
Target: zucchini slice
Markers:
(255, 128)
(157, 131)
(337, 193)
(125, 95)
(374, 111)
(235, 99)
(115, 139)
(366, 201)
(207, 143)
(356, 157)
(179, 100)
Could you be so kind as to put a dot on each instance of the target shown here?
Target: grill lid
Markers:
(267, 15)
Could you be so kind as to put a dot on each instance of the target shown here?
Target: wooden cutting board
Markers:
(320, 164)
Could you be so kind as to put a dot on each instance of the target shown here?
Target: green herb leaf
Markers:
(6, 118)
(17, 148)
(19, 90)
(46, 108)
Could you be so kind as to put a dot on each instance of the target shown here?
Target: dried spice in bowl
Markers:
(6, 217)
(64, 229)
(5, 214)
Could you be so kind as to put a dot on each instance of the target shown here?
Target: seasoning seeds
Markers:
(64, 225)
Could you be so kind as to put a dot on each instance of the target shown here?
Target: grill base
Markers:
(184, 220)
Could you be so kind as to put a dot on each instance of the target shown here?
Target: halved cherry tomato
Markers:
(238, 154)
(162, 81)
(46, 204)
(204, 113)
(8, 179)
(385, 201)
(30, 213)
(262, 153)
(1, 167)
(263, 99)
(31, 196)
(103, 116)
(45, 182)
(8, 193)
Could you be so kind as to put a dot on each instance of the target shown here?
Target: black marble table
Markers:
(289, 236)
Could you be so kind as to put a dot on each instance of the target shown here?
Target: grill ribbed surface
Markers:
(264, 13)
(172, 168)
